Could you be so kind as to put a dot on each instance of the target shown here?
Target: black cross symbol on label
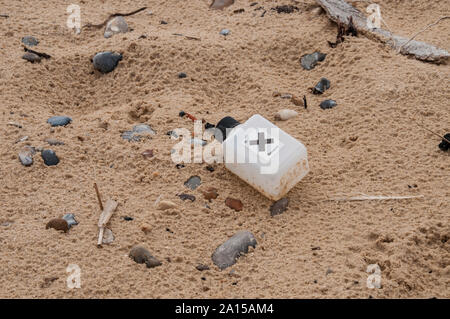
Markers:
(261, 142)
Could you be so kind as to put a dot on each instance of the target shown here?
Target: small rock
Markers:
(187, 196)
(70, 219)
(322, 86)
(182, 75)
(225, 32)
(128, 218)
(106, 62)
(148, 153)
(32, 57)
(145, 228)
(163, 22)
(279, 207)
(26, 155)
(285, 9)
(116, 25)
(235, 204)
(165, 204)
(59, 120)
(285, 115)
(54, 142)
(211, 193)
(141, 255)
(30, 41)
(328, 104)
(210, 168)
(220, 4)
(201, 267)
(108, 236)
(444, 145)
(139, 131)
(309, 61)
(226, 254)
(58, 224)
(193, 182)
(179, 166)
(49, 157)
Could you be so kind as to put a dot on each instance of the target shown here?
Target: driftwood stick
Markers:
(340, 11)
(98, 196)
(105, 216)
(98, 26)
(4, 16)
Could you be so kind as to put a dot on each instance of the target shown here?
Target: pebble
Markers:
(108, 236)
(70, 219)
(210, 168)
(30, 41)
(31, 57)
(54, 142)
(142, 256)
(226, 254)
(59, 120)
(328, 104)
(165, 204)
(147, 153)
(116, 25)
(322, 86)
(139, 131)
(145, 228)
(182, 75)
(444, 145)
(220, 4)
(285, 115)
(49, 157)
(309, 61)
(211, 193)
(26, 155)
(128, 218)
(58, 224)
(225, 32)
(235, 204)
(279, 207)
(106, 62)
(187, 197)
(201, 267)
(193, 182)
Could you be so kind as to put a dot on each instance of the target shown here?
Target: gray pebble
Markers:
(224, 32)
(31, 57)
(182, 75)
(322, 86)
(30, 41)
(309, 61)
(106, 62)
(49, 157)
(226, 254)
(141, 255)
(116, 25)
(26, 155)
(279, 207)
(70, 219)
(139, 131)
(193, 182)
(59, 120)
(328, 104)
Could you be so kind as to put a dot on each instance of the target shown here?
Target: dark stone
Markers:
(444, 145)
(58, 224)
(193, 182)
(182, 75)
(128, 218)
(163, 22)
(182, 113)
(202, 267)
(30, 41)
(106, 62)
(285, 9)
(59, 120)
(187, 196)
(141, 255)
(309, 61)
(279, 207)
(49, 157)
(210, 168)
(32, 57)
(322, 86)
(178, 166)
(226, 254)
(328, 104)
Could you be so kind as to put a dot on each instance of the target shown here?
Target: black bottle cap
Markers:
(226, 123)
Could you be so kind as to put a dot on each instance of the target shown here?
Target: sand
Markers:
(317, 248)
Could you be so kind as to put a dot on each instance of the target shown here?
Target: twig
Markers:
(423, 30)
(42, 55)
(186, 36)
(98, 196)
(98, 26)
(368, 197)
(4, 16)
(427, 129)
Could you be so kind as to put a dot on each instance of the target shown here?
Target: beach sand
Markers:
(318, 248)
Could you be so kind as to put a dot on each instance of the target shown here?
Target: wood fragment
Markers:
(340, 11)
(105, 216)
(186, 36)
(42, 55)
(101, 25)
(4, 16)
(98, 196)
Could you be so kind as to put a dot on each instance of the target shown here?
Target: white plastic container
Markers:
(264, 156)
